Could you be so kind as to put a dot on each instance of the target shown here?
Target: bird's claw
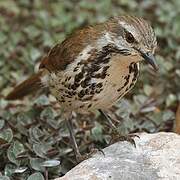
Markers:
(93, 151)
(128, 138)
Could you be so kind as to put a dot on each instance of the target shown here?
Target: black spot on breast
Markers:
(75, 69)
(78, 77)
(125, 84)
(66, 85)
(127, 77)
(66, 79)
(74, 86)
(126, 89)
(99, 85)
(118, 90)
(92, 92)
(69, 86)
(133, 68)
(74, 93)
(70, 93)
(105, 60)
(88, 98)
(136, 72)
(127, 80)
(85, 83)
(103, 74)
(98, 91)
(61, 99)
(52, 86)
(68, 96)
(86, 91)
(89, 105)
(81, 93)
(132, 84)
(94, 68)
(92, 86)
(105, 69)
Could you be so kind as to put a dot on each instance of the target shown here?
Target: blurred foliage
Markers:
(34, 141)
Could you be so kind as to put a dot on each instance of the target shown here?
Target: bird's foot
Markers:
(128, 138)
(93, 151)
(116, 136)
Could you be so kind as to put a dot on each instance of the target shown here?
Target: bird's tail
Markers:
(28, 86)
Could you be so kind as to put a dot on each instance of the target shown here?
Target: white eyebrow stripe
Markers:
(127, 26)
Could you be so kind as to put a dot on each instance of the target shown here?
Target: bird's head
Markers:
(135, 37)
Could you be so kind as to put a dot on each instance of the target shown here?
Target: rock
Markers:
(157, 156)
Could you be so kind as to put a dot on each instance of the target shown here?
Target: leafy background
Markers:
(34, 141)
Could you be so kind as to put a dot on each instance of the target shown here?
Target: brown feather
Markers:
(28, 86)
(64, 53)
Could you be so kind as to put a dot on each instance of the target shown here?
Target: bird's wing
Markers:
(64, 53)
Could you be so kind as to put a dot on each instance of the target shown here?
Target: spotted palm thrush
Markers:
(94, 67)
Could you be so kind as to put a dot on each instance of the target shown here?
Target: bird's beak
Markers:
(149, 58)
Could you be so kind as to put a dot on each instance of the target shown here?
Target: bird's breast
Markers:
(94, 84)
(122, 76)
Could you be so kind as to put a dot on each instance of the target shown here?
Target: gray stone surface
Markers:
(156, 157)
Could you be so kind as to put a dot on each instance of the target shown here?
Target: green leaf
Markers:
(24, 119)
(170, 100)
(96, 131)
(4, 178)
(14, 150)
(41, 149)
(31, 31)
(2, 123)
(126, 126)
(9, 169)
(3, 103)
(156, 118)
(20, 169)
(124, 109)
(34, 54)
(3, 37)
(42, 100)
(36, 176)
(6, 134)
(36, 164)
(50, 163)
(148, 89)
(48, 113)
(167, 115)
(35, 134)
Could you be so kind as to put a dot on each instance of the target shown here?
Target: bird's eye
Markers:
(129, 37)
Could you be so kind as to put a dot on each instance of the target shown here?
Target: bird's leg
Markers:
(78, 155)
(73, 140)
(116, 135)
(108, 118)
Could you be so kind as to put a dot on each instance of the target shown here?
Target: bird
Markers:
(94, 67)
